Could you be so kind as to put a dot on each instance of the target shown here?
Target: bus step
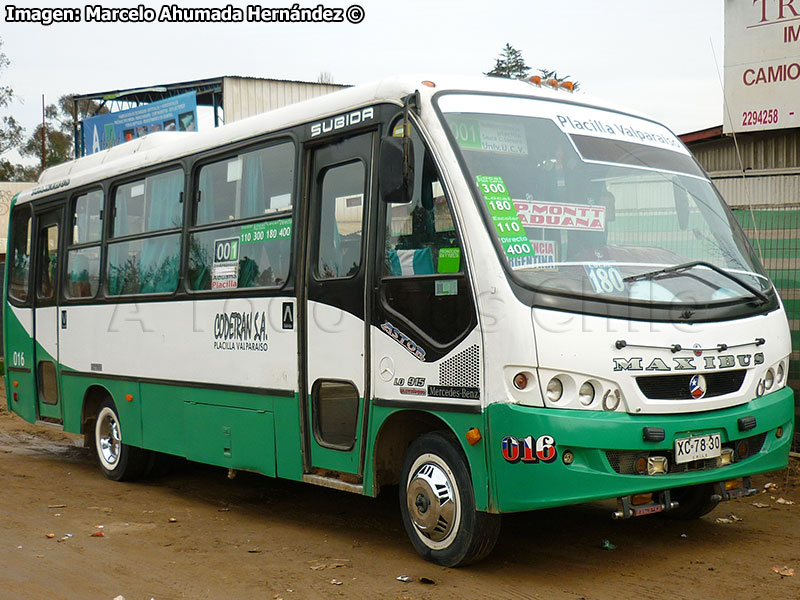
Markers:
(336, 484)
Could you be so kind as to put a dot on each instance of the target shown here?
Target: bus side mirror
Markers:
(396, 174)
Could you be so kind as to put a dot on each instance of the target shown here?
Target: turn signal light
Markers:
(15, 384)
(129, 397)
(732, 484)
(642, 499)
(473, 436)
(520, 381)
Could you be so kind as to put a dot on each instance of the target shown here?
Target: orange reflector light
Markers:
(16, 384)
(535, 79)
(552, 82)
(473, 436)
(732, 484)
(428, 83)
(639, 499)
(520, 381)
(568, 85)
(129, 397)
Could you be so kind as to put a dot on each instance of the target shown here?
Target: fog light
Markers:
(554, 389)
(640, 465)
(639, 499)
(769, 379)
(657, 465)
(568, 457)
(611, 400)
(586, 393)
(742, 449)
(520, 381)
(725, 458)
(732, 484)
(779, 432)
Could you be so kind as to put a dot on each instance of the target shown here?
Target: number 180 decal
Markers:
(606, 279)
(529, 449)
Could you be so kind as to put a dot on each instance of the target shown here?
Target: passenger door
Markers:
(46, 315)
(336, 360)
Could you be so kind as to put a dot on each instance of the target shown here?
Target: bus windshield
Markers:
(592, 202)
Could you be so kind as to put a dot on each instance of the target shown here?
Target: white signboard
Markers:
(762, 65)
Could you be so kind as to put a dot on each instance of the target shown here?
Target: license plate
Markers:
(697, 448)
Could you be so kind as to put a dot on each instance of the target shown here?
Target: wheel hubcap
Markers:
(109, 439)
(431, 502)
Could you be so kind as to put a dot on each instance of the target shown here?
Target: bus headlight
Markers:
(555, 389)
(586, 393)
(769, 379)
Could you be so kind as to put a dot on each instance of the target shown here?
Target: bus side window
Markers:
(19, 263)
(83, 261)
(151, 264)
(423, 271)
(242, 230)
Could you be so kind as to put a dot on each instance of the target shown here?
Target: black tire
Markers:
(438, 505)
(693, 502)
(117, 460)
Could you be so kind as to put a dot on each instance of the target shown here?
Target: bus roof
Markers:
(160, 147)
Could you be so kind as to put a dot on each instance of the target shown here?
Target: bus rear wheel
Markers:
(117, 460)
(438, 505)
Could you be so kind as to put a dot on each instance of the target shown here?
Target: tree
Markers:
(10, 130)
(325, 77)
(510, 64)
(59, 131)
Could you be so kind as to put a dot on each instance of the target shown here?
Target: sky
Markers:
(654, 57)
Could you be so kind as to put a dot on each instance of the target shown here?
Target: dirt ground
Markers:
(195, 534)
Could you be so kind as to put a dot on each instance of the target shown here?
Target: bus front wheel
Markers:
(118, 461)
(438, 505)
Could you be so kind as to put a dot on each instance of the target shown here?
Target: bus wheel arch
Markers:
(396, 434)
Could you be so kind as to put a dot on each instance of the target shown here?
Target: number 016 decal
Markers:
(529, 449)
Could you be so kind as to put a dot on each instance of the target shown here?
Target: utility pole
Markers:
(44, 137)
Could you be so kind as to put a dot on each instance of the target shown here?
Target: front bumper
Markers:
(525, 480)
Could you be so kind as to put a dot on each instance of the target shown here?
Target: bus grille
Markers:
(622, 461)
(676, 387)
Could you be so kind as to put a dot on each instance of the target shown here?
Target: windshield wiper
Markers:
(691, 265)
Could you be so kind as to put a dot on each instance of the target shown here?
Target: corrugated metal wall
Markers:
(244, 97)
(766, 203)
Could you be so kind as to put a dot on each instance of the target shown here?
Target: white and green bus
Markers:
(498, 295)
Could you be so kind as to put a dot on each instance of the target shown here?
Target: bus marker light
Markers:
(428, 83)
(520, 381)
(16, 384)
(568, 85)
(129, 397)
(535, 79)
(473, 436)
(568, 457)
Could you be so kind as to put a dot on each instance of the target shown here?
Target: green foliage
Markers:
(510, 64)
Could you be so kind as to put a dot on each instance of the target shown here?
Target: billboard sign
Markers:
(762, 65)
(178, 113)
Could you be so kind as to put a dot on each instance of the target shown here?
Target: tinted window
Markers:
(19, 262)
